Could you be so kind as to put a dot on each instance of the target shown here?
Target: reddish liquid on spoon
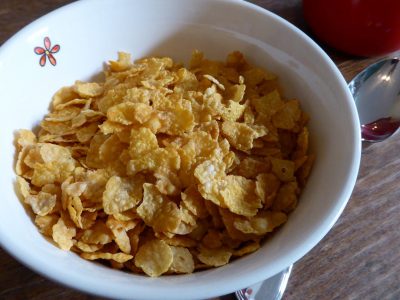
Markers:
(379, 129)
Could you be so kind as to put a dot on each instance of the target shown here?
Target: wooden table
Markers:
(358, 259)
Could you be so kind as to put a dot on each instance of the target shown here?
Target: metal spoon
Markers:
(270, 289)
(376, 91)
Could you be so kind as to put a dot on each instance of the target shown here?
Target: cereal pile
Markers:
(163, 169)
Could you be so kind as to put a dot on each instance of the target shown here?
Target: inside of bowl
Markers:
(154, 27)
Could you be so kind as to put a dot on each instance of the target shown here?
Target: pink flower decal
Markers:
(47, 51)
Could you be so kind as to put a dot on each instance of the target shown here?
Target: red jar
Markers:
(359, 27)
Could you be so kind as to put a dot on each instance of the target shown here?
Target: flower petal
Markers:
(42, 60)
(39, 50)
(47, 43)
(55, 49)
(52, 59)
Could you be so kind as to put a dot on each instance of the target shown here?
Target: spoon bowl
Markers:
(376, 91)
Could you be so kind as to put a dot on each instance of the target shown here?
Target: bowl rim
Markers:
(22, 255)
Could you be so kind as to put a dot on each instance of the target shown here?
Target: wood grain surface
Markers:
(360, 256)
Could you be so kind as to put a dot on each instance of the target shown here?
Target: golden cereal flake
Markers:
(156, 159)
(42, 203)
(214, 257)
(239, 195)
(182, 261)
(241, 135)
(63, 234)
(122, 194)
(87, 89)
(142, 141)
(154, 258)
(262, 223)
(118, 257)
(99, 233)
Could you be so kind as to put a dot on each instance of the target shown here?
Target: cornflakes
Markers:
(162, 169)
(214, 257)
(63, 234)
(241, 135)
(122, 194)
(118, 257)
(154, 258)
(182, 261)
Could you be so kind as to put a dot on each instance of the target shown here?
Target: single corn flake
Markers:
(241, 135)
(46, 223)
(25, 138)
(239, 195)
(215, 81)
(267, 186)
(154, 257)
(248, 114)
(168, 183)
(142, 141)
(210, 175)
(75, 209)
(88, 247)
(247, 249)
(287, 116)
(119, 230)
(214, 257)
(111, 148)
(250, 167)
(156, 159)
(283, 169)
(123, 63)
(305, 170)
(228, 219)
(301, 144)
(122, 194)
(182, 261)
(23, 187)
(64, 95)
(75, 189)
(178, 240)
(236, 92)
(178, 121)
(92, 158)
(129, 113)
(96, 181)
(108, 127)
(255, 76)
(87, 89)
(286, 198)
(233, 111)
(42, 203)
(99, 233)
(194, 202)
(262, 223)
(118, 257)
(51, 172)
(63, 234)
(86, 133)
(269, 104)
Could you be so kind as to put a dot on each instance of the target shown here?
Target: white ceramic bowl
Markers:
(91, 32)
